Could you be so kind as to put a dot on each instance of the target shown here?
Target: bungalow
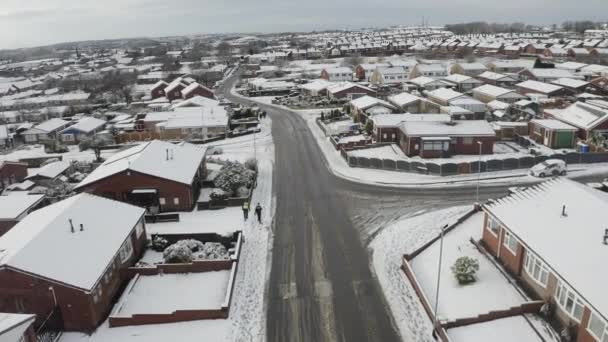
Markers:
(155, 174)
(510, 66)
(86, 127)
(535, 48)
(530, 232)
(544, 75)
(196, 89)
(315, 88)
(427, 83)
(348, 90)
(600, 84)
(11, 173)
(443, 96)
(546, 89)
(571, 66)
(363, 72)
(367, 106)
(488, 93)
(13, 208)
(70, 256)
(338, 74)
(578, 53)
(552, 133)
(17, 328)
(461, 82)
(388, 75)
(49, 172)
(407, 64)
(575, 86)
(406, 102)
(468, 69)
(158, 89)
(589, 117)
(386, 126)
(47, 130)
(496, 79)
(438, 139)
(429, 70)
(173, 91)
(555, 52)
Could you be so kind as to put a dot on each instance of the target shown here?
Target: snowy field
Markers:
(387, 249)
(221, 221)
(491, 291)
(247, 322)
(502, 330)
(164, 294)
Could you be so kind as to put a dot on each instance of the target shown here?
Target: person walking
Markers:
(245, 210)
(258, 212)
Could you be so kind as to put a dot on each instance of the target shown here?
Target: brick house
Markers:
(589, 117)
(11, 173)
(435, 139)
(70, 256)
(531, 231)
(85, 128)
(386, 127)
(338, 74)
(173, 91)
(552, 133)
(14, 208)
(158, 89)
(497, 79)
(157, 175)
(348, 90)
(364, 71)
(45, 130)
(366, 106)
(196, 89)
(468, 69)
(17, 328)
(488, 93)
(546, 89)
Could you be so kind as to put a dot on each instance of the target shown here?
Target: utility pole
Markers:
(478, 172)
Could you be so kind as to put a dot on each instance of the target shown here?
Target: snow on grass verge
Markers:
(401, 237)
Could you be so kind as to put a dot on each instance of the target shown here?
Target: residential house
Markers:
(510, 66)
(555, 52)
(580, 53)
(573, 67)
(49, 172)
(407, 102)
(338, 74)
(158, 175)
(468, 69)
(363, 72)
(496, 79)
(462, 83)
(541, 88)
(443, 96)
(386, 127)
(315, 88)
(14, 207)
(47, 130)
(427, 83)
(589, 117)
(389, 75)
(86, 127)
(429, 70)
(11, 173)
(438, 139)
(196, 89)
(600, 85)
(575, 86)
(70, 256)
(173, 91)
(17, 328)
(348, 90)
(367, 106)
(545, 75)
(531, 231)
(552, 133)
(158, 89)
(488, 93)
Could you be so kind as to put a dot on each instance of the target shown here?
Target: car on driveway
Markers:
(550, 167)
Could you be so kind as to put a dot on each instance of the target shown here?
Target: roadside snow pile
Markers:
(402, 237)
(185, 251)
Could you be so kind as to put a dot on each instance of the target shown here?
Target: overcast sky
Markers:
(40, 22)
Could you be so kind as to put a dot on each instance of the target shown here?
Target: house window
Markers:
(126, 250)
(467, 141)
(510, 243)
(393, 136)
(433, 146)
(176, 200)
(67, 137)
(139, 228)
(493, 225)
(162, 201)
(384, 136)
(569, 302)
(598, 327)
(536, 269)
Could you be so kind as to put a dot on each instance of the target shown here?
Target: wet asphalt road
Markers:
(321, 287)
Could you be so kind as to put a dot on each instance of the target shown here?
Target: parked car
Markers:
(550, 167)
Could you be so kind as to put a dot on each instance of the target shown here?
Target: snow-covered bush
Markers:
(218, 195)
(251, 164)
(177, 253)
(464, 269)
(234, 175)
(193, 245)
(212, 251)
(159, 243)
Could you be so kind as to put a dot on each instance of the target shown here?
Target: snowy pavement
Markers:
(501, 330)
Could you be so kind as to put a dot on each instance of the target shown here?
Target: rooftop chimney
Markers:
(564, 214)
(606, 236)
(81, 227)
(71, 225)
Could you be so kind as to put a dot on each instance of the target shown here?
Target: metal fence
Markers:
(454, 167)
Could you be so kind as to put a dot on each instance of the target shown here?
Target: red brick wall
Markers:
(120, 184)
(490, 240)
(158, 91)
(455, 149)
(324, 75)
(389, 131)
(583, 335)
(18, 171)
(512, 262)
(176, 316)
(176, 93)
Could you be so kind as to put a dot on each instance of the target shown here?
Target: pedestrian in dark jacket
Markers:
(246, 210)
(258, 212)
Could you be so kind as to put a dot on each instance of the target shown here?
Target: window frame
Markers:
(604, 330)
(488, 226)
(530, 264)
(506, 239)
(567, 293)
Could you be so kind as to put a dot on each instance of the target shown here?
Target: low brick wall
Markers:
(196, 266)
(526, 308)
(176, 316)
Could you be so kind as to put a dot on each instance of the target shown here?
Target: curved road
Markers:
(321, 287)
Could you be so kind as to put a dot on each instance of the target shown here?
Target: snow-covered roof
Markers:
(422, 81)
(458, 78)
(445, 94)
(11, 207)
(494, 91)
(51, 171)
(452, 128)
(585, 115)
(43, 243)
(403, 99)
(553, 124)
(393, 120)
(570, 66)
(339, 70)
(391, 70)
(193, 86)
(51, 125)
(87, 125)
(316, 85)
(571, 245)
(498, 105)
(366, 101)
(13, 326)
(341, 86)
(472, 66)
(151, 159)
(550, 73)
(540, 87)
(490, 75)
(570, 83)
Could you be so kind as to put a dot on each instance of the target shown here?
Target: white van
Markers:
(550, 167)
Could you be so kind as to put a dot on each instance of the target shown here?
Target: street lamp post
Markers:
(436, 313)
(478, 172)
